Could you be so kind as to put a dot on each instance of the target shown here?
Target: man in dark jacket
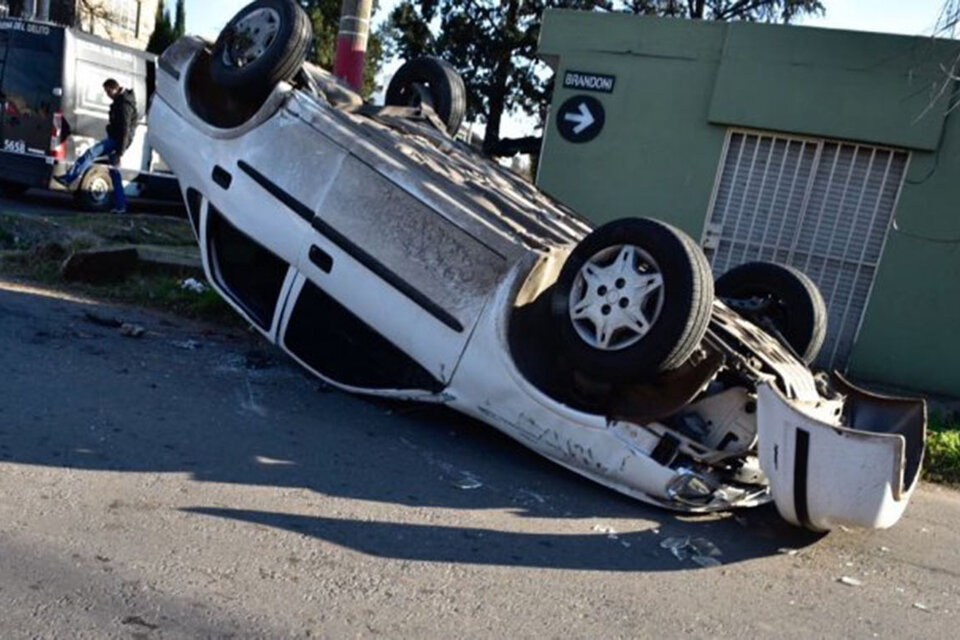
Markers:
(120, 130)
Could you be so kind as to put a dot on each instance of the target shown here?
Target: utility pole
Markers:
(352, 40)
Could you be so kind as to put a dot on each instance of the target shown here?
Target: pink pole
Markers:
(351, 54)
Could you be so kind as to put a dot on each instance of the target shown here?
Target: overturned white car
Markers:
(389, 259)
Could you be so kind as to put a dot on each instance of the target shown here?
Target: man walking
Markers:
(120, 130)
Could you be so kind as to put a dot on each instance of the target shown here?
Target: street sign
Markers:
(586, 81)
(580, 119)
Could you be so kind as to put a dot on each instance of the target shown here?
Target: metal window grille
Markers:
(823, 206)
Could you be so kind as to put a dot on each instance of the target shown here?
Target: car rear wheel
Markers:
(633, 300)
(264, 44)
(96, 190)
(444, 84)
(780, 299)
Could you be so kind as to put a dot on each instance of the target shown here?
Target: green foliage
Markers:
(164, 34)
(325, 15)
(180, 24)
(493, 43)
(943, 452)
(748, 10)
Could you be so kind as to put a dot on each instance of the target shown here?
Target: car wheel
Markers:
(633, 300)
(265, 43)
(96, 190)
(447, 91)
(782, 300)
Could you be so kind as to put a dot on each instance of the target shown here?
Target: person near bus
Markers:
(120, 130)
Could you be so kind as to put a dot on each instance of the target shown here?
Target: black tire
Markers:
(281, 60)
(12, 189)
(445, 85)
(780, 296)
(96, 190)
(687, 301)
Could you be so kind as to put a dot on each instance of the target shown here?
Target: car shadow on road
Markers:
(644, 550)
(79, 396)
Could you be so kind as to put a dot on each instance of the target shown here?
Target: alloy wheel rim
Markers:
(251, 37)
(617, 297)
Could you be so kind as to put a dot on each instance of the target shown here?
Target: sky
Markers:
(908, 17)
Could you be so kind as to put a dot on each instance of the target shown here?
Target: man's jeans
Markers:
(106, 147)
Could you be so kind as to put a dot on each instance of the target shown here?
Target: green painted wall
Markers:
(657, 155)
(681, 84)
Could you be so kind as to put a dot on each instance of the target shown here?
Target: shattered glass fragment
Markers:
(674, 542)
(466, 483)
(706, 562)
(704, 547)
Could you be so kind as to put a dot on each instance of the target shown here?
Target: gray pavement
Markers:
(154, 488)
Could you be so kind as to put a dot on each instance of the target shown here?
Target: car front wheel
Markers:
(633, 300)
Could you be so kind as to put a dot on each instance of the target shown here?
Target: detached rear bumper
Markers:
(823, 475)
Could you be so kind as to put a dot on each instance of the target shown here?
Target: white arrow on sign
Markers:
(583, 119)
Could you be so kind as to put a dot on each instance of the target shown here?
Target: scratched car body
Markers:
(389, 259)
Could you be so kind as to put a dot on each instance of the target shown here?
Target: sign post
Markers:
(351, 56)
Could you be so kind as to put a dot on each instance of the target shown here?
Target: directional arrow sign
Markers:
(580, 118)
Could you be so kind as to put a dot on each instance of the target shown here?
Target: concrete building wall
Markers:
(127, 22)
(680, 86)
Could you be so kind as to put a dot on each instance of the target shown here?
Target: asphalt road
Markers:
(181, 486)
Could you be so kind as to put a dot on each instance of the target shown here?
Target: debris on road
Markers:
(194, 285)
(787, 551)
(128, 330)
(699, 550)
(922, 607)
(466, 482)
(187, 345)
(850, 582)
(102, 321)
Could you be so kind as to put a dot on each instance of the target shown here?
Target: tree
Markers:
(748, 10)
(493, 43)
(325, 16)
(180, 24)
(164, 33)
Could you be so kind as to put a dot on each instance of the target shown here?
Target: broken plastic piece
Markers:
(194, 285)
(850, 582)
(128, 330)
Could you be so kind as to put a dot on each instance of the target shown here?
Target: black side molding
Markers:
(800, 464)
(270, 187)
(222, 177)
(352, 249)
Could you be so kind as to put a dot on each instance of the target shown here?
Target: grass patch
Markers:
(157, 291)
(943, 451)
